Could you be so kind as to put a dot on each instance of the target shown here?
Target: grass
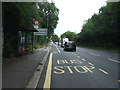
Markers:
(102, 48)
(40, 46)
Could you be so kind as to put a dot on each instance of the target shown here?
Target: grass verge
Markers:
(40, 46)
(102, 48)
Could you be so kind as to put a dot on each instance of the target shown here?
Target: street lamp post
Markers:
(47, 26)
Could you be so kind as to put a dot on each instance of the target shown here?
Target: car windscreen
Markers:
(70, 43)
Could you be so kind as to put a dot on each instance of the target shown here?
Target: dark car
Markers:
(70, 45)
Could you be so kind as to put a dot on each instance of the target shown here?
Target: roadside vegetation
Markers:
(19, 16)
(100, 31)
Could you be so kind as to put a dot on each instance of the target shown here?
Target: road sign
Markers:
(35, 22)
(35, 26)
(42, 29)
(42, 32)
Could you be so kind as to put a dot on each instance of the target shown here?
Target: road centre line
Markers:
(113, 60)
(54, 52)
(47, 82)
(78, 56)
(103, 71)
(90, 63)
(83, 59)
(58, 50)
(75, 54)
(93, 54)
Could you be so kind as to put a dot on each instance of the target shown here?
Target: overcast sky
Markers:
(73, 13)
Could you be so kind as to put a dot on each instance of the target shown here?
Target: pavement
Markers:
(18, 71)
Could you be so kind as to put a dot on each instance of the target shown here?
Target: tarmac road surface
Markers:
(85, 68)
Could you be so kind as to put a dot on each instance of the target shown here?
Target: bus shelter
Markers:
(26, 39)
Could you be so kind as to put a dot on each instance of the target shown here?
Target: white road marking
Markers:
(54, 52)
(83, 59)
(58, 50)
(90, 63)
(94, 54)
(113, 60)
(103, 71)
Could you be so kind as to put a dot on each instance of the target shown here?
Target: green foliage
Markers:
(55, 38)
(19, 15)
(101, 30)
(49, 14)
(70, 35)
(28, 11)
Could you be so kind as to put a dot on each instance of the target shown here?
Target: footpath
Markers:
(20, 71)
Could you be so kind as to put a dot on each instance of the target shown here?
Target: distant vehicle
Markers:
(70, 45)
(56, 42)
(63, 40)
(59, 44)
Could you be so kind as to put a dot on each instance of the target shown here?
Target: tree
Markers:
(71, 35)
(102, 29)
(55, 38)
(49, 14)
(19, 15)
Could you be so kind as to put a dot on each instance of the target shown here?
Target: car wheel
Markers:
(75, 49)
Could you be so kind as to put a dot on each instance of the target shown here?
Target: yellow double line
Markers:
(47, 82)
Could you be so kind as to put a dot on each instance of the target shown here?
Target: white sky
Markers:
(73, 13)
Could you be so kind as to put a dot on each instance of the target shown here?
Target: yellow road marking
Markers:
(69, 68)
(48, 74)
(118, 80)
(88, 69)
(85, 71)
(59, 68)
(103, 71)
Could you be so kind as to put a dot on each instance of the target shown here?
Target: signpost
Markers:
(36, 22)
(35, 25)
(42, 32)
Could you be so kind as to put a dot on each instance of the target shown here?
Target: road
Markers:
(85, 68)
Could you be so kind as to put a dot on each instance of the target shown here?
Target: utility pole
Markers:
(47, 28)
(1, 45)
(1, 33)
